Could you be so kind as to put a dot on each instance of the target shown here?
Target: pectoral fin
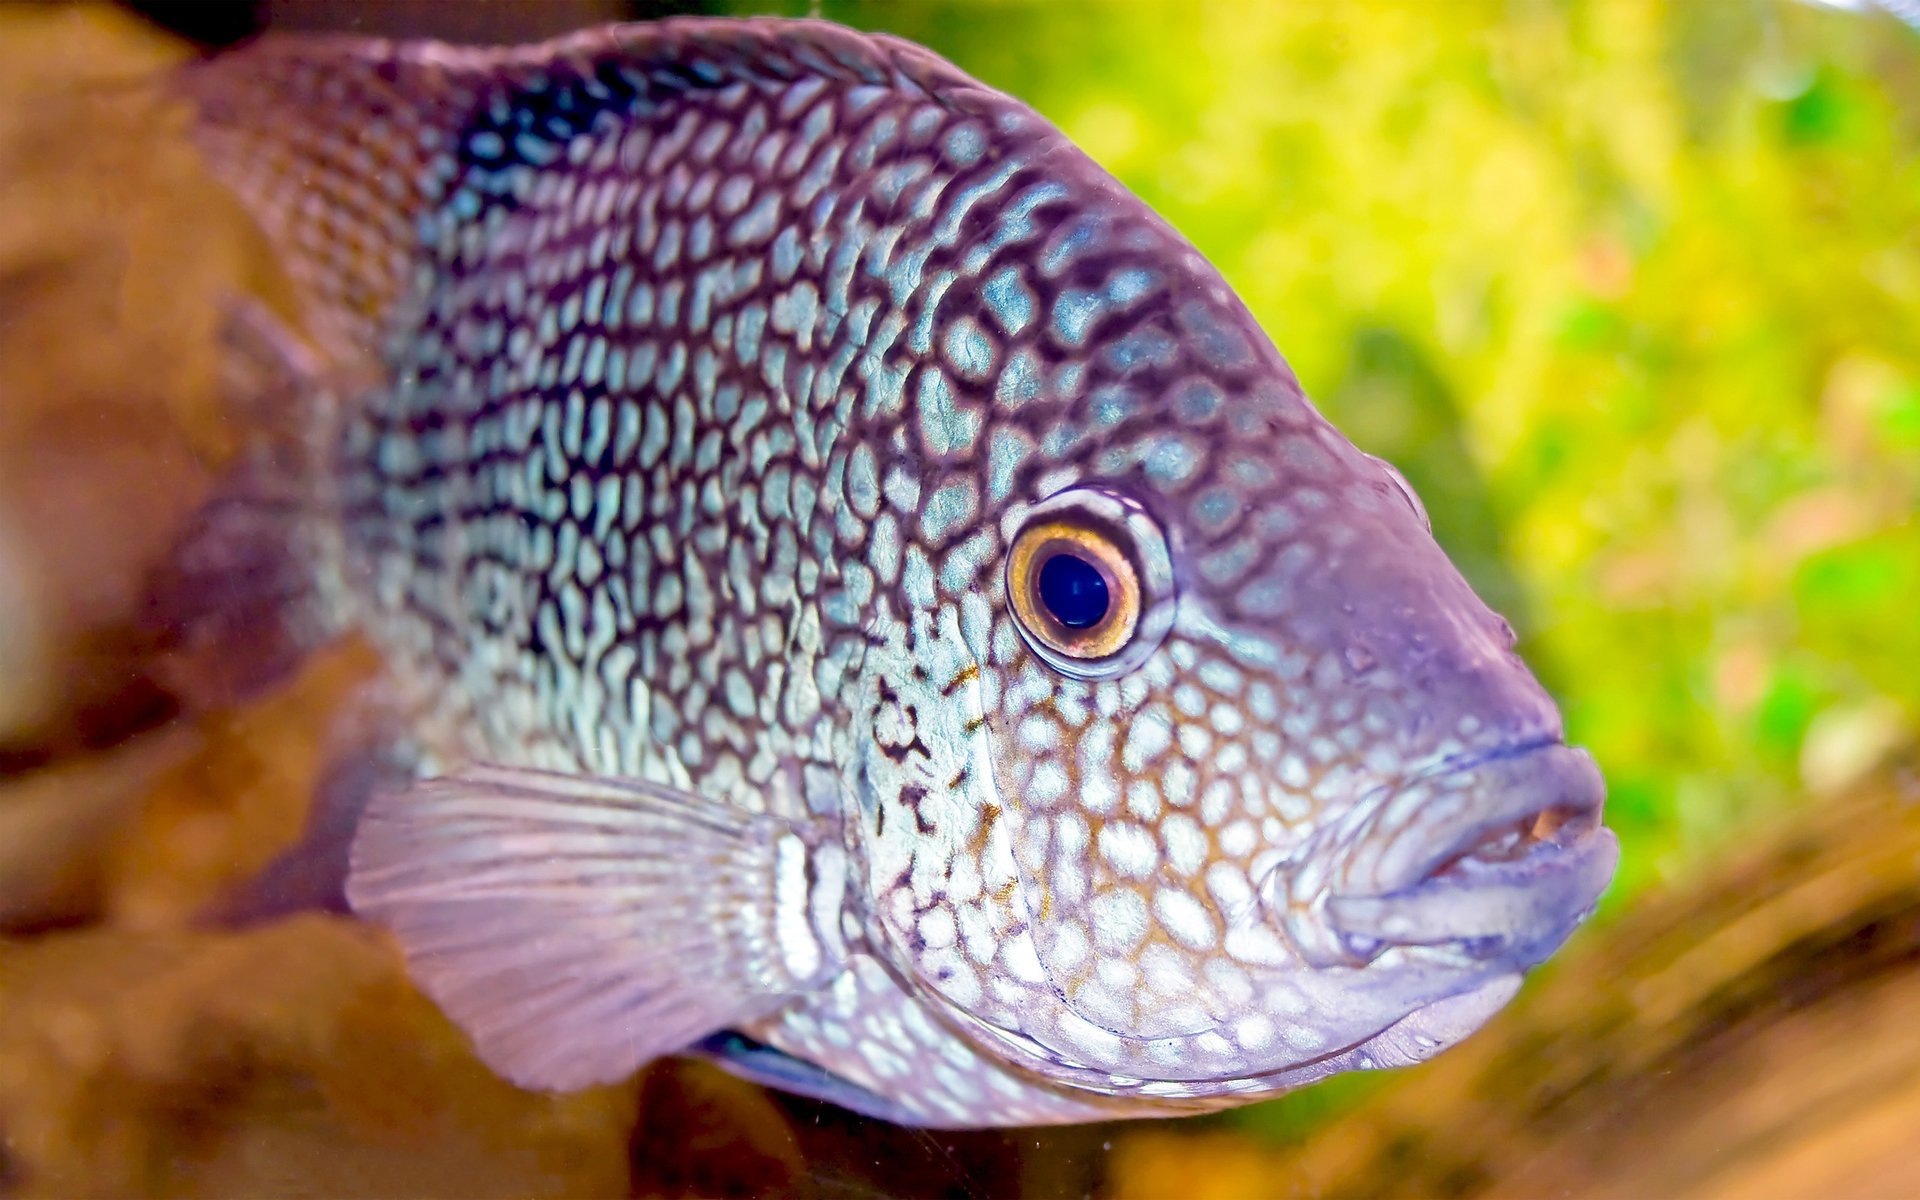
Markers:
(576, 928)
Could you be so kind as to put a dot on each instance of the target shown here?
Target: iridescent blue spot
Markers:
(640, 306)
(893, 181)
(699, 309)
(746, 332)
(700, 237)
(1073, 591)
(1113, 404)
(786, 254)
(1215, 508)
(1068, 246)
(1019, 381)
(1129, 285)
(616, 301)
(1172, 461)
(964, 144)
(1074, 314)
(592, 371)
(1009, 300)
(1213, 334)
(951, 507)
(1009, 448)
(671, 369)
(1141, 347)
(963, 201)
(734, 193)
(969, 351)
(945, 427)
(757, 223)
(795, 310)
(487, 146)
(536, 150)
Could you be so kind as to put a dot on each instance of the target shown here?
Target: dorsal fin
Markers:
(332, 144)
(341, 146)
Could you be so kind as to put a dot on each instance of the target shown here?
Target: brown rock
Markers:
(292, 1061)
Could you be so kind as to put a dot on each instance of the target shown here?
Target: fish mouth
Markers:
(1491, 861)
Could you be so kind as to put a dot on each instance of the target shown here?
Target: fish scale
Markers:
(697, 384)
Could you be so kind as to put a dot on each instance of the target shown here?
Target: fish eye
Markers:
(1073, 589)
(1087, 576)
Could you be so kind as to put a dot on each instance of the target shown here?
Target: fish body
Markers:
(871, 604)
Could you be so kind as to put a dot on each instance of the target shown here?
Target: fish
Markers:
(863, 600)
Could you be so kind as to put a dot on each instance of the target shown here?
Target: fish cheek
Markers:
(929, 821)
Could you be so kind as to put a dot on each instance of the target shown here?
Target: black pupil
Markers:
(1073, 591)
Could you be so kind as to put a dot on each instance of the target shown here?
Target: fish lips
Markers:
(1493, 862)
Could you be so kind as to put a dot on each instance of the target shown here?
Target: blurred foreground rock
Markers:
(293, 1061)
(1753, 1034)
(115, 255)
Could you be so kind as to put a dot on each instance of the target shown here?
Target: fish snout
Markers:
(1491, 861)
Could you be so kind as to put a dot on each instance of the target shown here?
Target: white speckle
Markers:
(1217, 801)
(1069, 947)
(1070, 880)
(1293, 771)
(1071, 836)
(1130, 849)
(1238, 839)
(1018, 956)
(1230, 890)
(1256, 944)
(1098, 793)
(1229, 981)
(1090, 1039)
(1254, 1032)
(1143, 799)
(1176, 784)
(1186, 919)
(1119, 919)
(937, 928)
(1148, 736)
(1048, 783)
(1186, 843)
(1119, 975)
(799, 951)
(1213, 1045)
(962, 987)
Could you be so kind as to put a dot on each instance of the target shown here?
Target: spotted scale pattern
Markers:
(718, 364)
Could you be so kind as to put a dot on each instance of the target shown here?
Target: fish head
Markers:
(1239, 783)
